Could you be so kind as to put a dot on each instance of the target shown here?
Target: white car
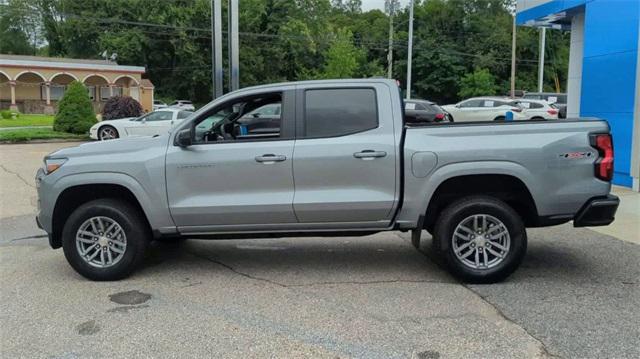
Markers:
(157, 104)
(538, 109)
(183, 104)
(150, 124)
(479, 109)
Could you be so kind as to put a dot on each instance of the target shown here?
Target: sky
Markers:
(378, 4)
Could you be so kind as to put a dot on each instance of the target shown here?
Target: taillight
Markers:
(552, 112)
(604, 164)
(439, 116)
(516, 109)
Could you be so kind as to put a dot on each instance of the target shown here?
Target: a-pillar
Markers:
(13, 106)
(48, 109)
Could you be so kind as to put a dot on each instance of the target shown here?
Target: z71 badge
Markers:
(575, 155)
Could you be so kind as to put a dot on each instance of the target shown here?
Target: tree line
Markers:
(461, 47)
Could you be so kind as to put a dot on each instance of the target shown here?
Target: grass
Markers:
(27, 120)
(28, 134)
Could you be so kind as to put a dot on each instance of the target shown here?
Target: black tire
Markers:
(133, 225)
(537, 118)
(103, 129)
(462, 209)
(500, 118)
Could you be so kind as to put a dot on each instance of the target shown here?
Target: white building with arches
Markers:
(32, 84)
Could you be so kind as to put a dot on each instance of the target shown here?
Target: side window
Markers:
(471, 103)
(490, 103)
(533, 105)
(184, 114)
(159, 116)
(251, 118)
(338, 112)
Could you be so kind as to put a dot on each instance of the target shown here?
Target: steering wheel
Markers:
(223, 129)
(218, 131)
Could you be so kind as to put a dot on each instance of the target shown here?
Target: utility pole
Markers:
(543, 35)
(410, 50)
(391, 9)
(234, 47)
(216, 47)
(513, 59)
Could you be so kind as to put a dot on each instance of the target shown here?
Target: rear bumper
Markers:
(598, 211)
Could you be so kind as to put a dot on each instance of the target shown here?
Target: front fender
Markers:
(153, 201)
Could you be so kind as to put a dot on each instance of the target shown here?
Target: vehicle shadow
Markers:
(295, 261)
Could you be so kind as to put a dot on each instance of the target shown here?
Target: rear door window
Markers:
(471, 103)
(339, 112)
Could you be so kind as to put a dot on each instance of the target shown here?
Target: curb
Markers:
(53, 140)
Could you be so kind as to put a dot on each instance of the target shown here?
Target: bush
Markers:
(8, 114)
(75, 113)
(478, 83)
(120, 107)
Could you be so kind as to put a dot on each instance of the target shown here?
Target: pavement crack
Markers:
(366, 282)
(17, 175)
(312, 284)
(28, 237)
(243, 274)
(543, 348)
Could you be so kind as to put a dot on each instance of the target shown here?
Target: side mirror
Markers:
(183, 138)
(144, 120)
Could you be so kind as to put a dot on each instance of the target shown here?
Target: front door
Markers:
(345, 158)
(229, 180)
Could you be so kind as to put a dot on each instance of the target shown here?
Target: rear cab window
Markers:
(339, 112)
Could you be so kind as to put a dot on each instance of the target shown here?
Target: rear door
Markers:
(345, 156)
(469, 110)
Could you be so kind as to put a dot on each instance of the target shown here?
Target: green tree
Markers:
(75, 112)
(478, 83)
(342, 57)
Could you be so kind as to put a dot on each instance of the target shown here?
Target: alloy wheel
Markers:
(101, 241)
(481, 241)
(108, 133)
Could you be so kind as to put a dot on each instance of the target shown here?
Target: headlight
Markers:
(52, 164)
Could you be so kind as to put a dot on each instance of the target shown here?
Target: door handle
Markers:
(369, 154)
(270, 158)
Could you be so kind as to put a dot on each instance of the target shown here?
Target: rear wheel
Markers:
(107, 132)
(105, 239)
(482, 238)
(499, 118)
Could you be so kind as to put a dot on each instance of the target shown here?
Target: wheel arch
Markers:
(118, 130)
(79, 190)
(506, 187)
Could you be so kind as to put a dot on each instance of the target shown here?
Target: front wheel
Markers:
(105, 239)
(482, 238)
(107, 132)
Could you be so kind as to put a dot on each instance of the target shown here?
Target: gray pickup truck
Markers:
(330, 158)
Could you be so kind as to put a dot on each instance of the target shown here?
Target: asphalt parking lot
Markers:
(576, 295)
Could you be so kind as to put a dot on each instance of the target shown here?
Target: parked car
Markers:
(157, 104)
(537, 109)
(183, 104)
(358, 171)
(152, 123)
(424, 111)
(483, 109)
(557, 99)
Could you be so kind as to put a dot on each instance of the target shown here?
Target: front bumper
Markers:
(93, 133)
(598, 211)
